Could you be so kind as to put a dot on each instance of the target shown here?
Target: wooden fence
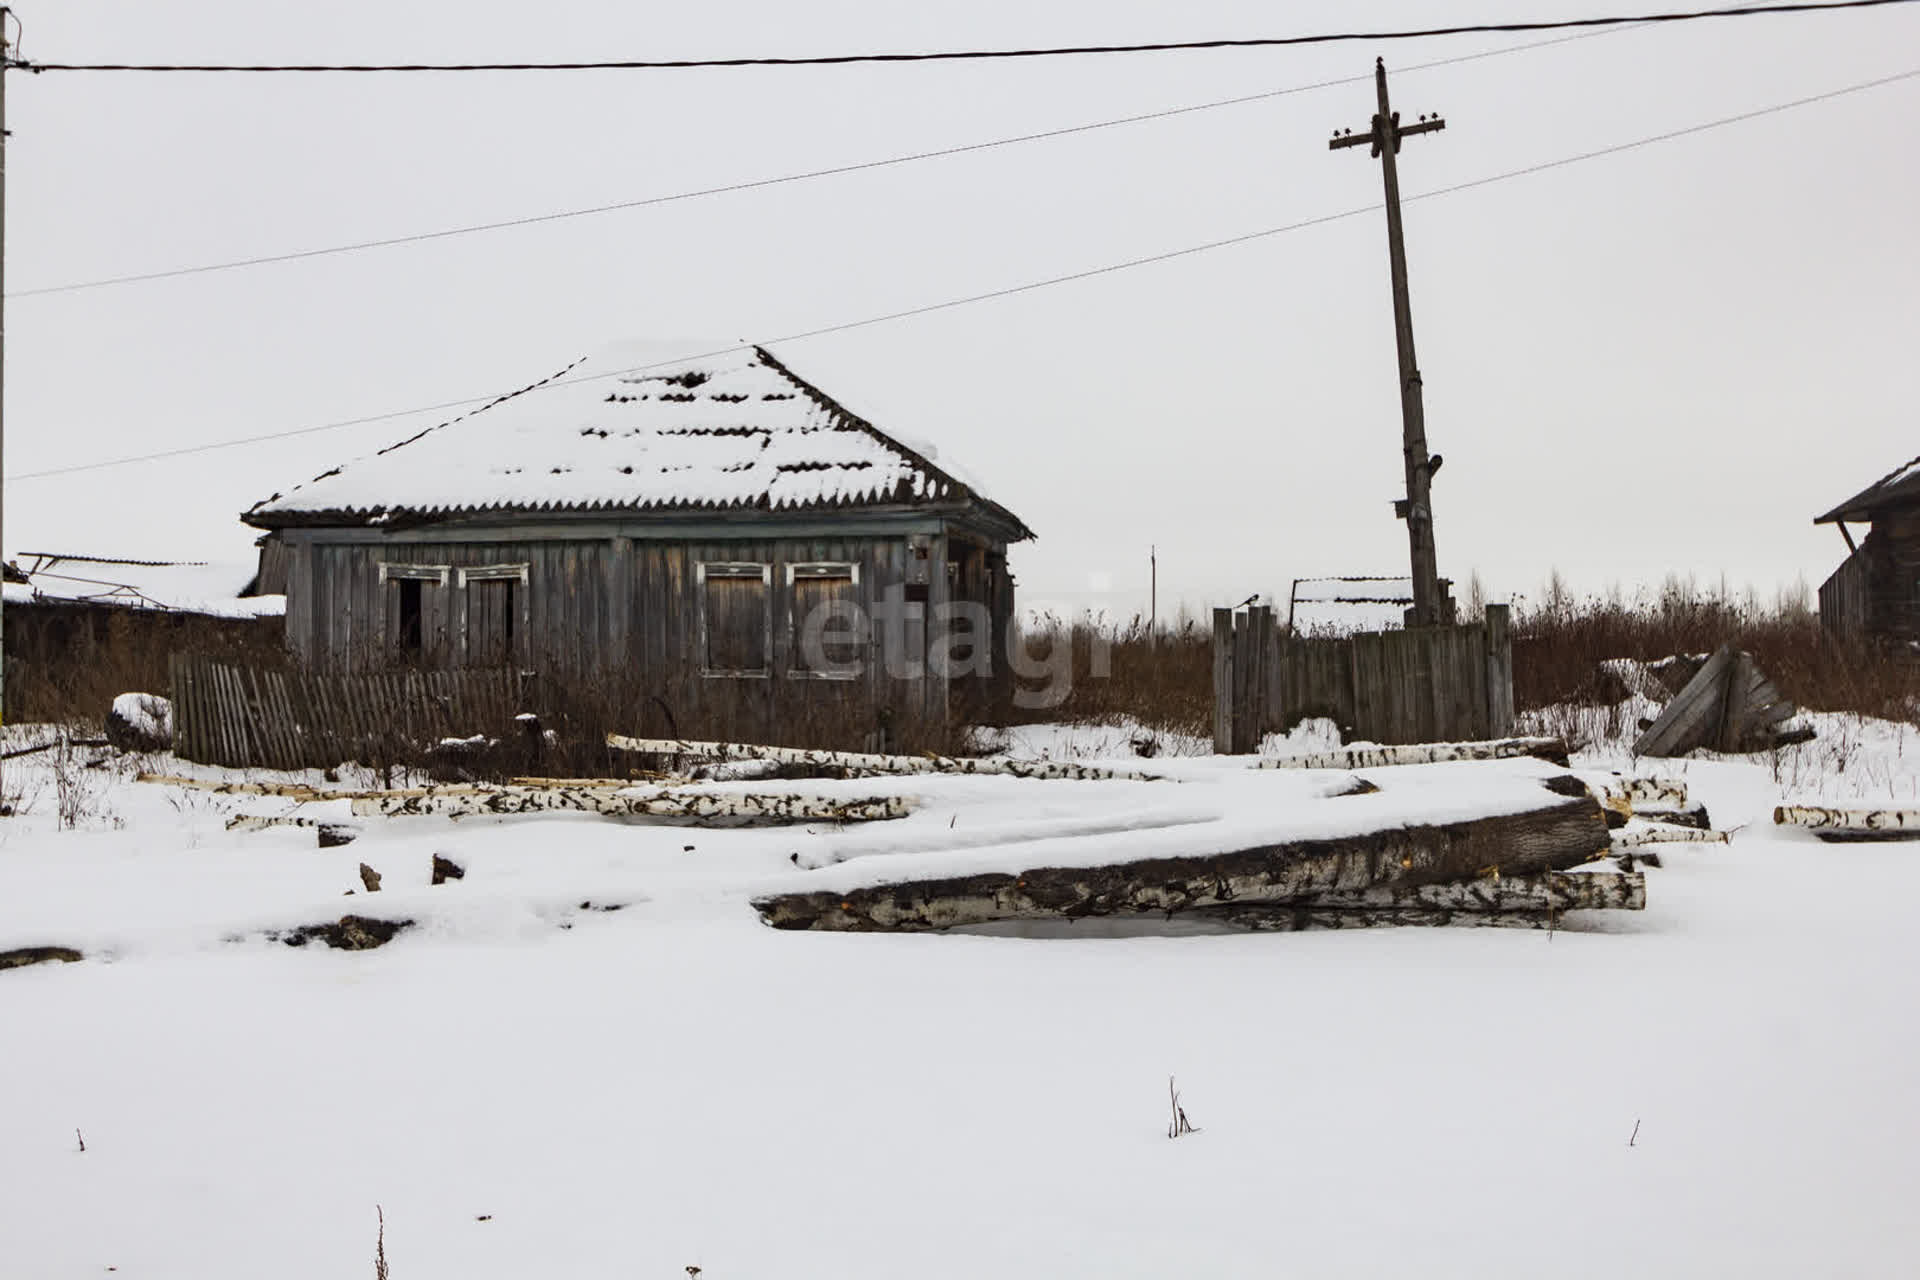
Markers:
(1424, 684)
(245, 717)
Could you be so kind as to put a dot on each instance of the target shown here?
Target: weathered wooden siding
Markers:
(633, 607)
(1843, 598)
(1423, 684)
(1876, 592)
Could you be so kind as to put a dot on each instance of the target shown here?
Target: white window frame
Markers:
(493, 573)
(702, 570)
(820, 569)
(440, 573)
(466, 576)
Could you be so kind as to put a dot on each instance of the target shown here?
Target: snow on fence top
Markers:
(39, 577)
(628, 429)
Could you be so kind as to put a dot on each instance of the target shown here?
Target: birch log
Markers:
(1541, 891)
(857, 762)
(1885, 824)
(698, 806)
(1279, 918)
(1552, 749)
(1634, 836)
(1557, 835)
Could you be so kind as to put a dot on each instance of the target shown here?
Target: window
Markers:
(825, 621)
(495, 595)
(736, 625)
(410, 610)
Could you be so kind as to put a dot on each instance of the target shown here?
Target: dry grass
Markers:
(65, 664)
(1560, 643)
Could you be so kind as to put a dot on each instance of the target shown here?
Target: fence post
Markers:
(1223, 682)
(1499, 672)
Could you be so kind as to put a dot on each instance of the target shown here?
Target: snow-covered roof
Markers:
(1902, 484)
(167, 586)
(638, 427)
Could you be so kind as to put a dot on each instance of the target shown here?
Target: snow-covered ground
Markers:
(532, 1082)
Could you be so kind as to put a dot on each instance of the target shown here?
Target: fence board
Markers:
(1428, 684)
(243, 718)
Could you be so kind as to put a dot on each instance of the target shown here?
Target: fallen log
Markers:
(1691, 816)
(1553, 837)
(1633, 837)
(697, 806)
(857, 763)
(1540, 891)
(1281, 918)
(1551, 749)
(1850, 824)
(288, 790)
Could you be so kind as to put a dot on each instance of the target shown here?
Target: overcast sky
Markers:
(1666, 360)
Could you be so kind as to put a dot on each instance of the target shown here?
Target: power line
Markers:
(444, 233)
(842, 59)
(1007, 292)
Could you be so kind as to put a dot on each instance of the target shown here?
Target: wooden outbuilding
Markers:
(81, 628)
(711, 533)
(1876, 592)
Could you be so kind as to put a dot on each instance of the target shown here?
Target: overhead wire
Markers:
(1006, 292)
(960, 55)
(752, 184)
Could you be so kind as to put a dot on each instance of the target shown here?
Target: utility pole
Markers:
(6, 56)
(1432, 605)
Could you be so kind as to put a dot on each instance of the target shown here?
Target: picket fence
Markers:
(246, 717)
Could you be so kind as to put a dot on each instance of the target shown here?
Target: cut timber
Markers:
(1729, 706)
(1639, 834)
(1541, 891)
(1851, 824)
(696, 806)
(1526, 902)
(290, 790)
(1552, 749)
(856, 762)
(1561, 833)
(1278, 917)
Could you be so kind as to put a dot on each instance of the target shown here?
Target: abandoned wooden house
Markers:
(1876, 592)
(714, 532)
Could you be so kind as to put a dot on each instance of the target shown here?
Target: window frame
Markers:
(747, 569)
(438, 573)
(795, 569)
(515, 575)
(391, 572)
(493, 573)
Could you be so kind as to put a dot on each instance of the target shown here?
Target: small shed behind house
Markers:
(1876, 591)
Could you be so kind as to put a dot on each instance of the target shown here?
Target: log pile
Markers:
(1474, 859)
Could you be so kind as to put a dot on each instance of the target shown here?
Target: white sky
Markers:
(1668, 360)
